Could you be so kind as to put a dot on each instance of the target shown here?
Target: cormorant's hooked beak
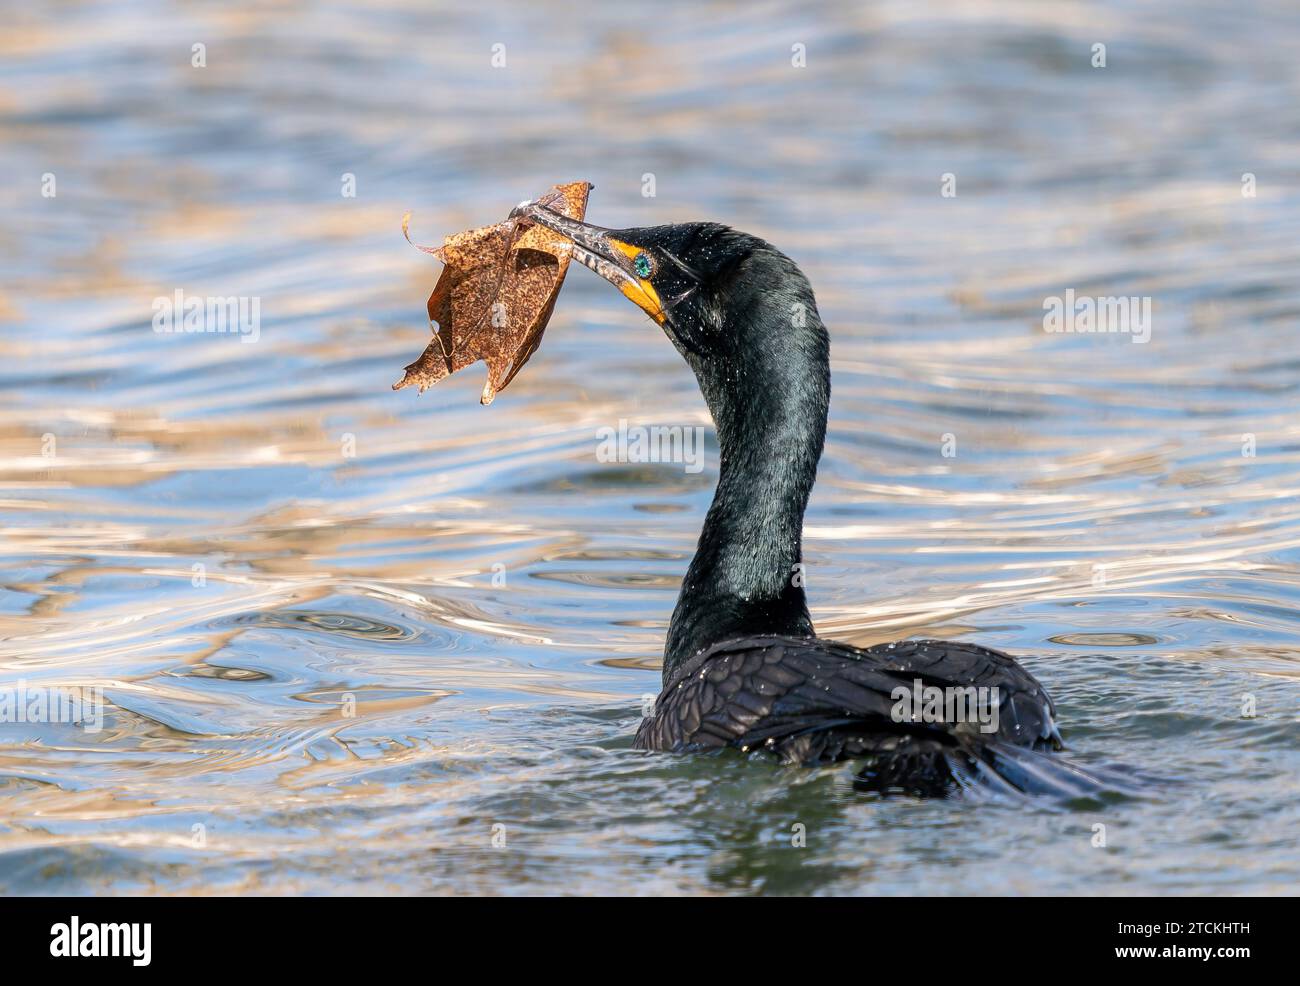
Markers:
(595, 247)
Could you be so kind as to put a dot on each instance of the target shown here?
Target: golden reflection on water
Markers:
(237, 541)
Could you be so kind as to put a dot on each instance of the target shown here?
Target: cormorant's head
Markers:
(719, 294)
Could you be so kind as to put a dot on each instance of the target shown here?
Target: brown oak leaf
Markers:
(495, 295)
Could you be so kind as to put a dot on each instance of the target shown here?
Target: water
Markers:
(1099, 519)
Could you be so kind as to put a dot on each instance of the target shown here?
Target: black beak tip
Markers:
(525, 207)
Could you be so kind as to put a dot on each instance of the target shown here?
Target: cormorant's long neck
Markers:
(769, 405)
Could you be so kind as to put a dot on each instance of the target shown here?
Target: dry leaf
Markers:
(495, 295)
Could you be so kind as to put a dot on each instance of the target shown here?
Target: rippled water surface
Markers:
(238, 541)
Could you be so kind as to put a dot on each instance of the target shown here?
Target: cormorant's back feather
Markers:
(812, 701)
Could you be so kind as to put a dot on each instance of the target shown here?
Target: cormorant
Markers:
(743, 666)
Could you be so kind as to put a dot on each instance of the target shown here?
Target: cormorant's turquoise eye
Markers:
(642, 265)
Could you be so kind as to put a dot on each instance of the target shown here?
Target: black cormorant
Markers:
(743, 666)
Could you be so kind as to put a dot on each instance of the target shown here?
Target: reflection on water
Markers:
(344, 632)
